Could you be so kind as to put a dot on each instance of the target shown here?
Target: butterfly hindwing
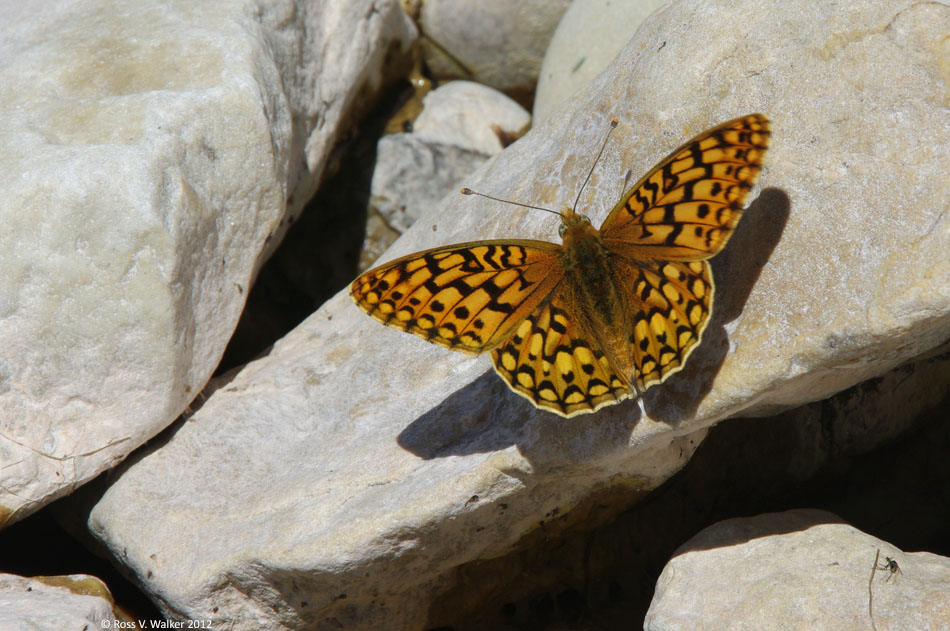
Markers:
(687, 206)
(553, 360)
(670, 304)
(467, 297)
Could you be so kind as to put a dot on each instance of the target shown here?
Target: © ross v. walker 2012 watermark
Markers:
(155, 624)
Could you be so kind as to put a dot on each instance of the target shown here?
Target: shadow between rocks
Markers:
(735, 271)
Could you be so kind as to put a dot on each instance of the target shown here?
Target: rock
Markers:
(498, 43)
(150, 156)
(470, 116)
(799, 569)
(587, 39)
(412, 177)
(341, 478)
(58, 603)
(461, 125)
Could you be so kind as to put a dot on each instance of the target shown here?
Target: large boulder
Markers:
(152, 156)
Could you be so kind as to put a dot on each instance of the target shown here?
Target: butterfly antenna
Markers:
(613, 126)
(468, 191)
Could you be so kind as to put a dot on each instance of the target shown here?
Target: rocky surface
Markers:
(802, 569)
(495, 42)
(461, 125)
(340, 479)
(356, 477)
(589, 36)
(471, 116)
(873, 454)
(152, 157)
(56, 603)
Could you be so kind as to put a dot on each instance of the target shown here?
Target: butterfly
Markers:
(607, 313)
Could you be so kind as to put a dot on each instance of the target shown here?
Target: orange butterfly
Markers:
(606, 314)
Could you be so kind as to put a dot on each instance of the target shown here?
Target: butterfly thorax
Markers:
(588, 267)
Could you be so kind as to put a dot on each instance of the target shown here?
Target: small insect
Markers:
(892, 568)
(606, 314)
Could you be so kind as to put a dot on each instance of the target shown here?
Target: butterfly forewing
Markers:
(468, 297)
(554, 360)
(687, 206)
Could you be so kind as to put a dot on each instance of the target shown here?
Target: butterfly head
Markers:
(573, 224)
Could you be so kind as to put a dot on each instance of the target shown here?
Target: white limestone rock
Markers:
(147, 156)
(411, 177)
(495, 42)
(461, 125)
(337, 480)
(589, 36)
(55, 603)
(470, 116)
(801, 569)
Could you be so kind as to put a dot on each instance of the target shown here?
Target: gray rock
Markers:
(412, 177)
(461, 126)
(802, 569)
(338, 480)
(495, 42)
(57, 603)
(149, 160)
(470, 116)
(589, 36)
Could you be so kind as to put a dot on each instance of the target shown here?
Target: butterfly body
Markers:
(607, 313)
(586, 263)
(590, 269)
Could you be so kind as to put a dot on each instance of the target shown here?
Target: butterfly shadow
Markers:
(486, 416)
(460, 425)
(735, 272)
